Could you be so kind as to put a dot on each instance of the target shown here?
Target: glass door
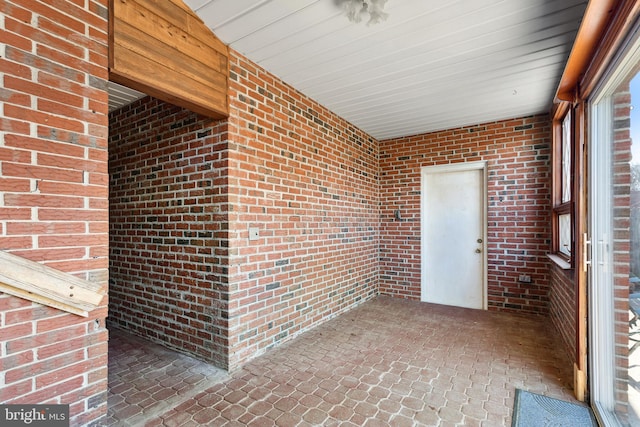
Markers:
(633, 387)
(614, 218)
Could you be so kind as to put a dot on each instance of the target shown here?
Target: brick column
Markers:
(54, 196)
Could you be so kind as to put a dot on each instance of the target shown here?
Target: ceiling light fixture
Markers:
(357, 9)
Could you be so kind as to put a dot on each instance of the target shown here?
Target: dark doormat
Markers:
(535, 410)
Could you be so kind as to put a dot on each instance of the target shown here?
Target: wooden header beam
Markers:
(596, 18)
(162, 48)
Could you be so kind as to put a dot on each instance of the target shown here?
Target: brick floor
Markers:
(388, 362)
(146, 379)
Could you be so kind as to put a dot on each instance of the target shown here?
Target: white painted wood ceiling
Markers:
(432, 65)
(119, 96)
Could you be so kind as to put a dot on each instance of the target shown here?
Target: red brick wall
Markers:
(517, 152)
(53, 196)
(562, 302)
(308, 181)
(621, 212)
(168, 227)
(185, 191)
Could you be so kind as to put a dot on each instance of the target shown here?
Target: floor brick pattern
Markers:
(146, 379)
(389, 362)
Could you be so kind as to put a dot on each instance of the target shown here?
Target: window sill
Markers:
(559, 261)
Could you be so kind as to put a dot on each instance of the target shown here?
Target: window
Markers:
(562, 243)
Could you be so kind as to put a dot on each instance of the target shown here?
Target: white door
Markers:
(453, 235)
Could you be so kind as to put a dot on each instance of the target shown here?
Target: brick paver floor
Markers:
(389, 362)
(146, 379)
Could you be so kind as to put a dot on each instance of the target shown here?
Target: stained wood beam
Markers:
(596, 17)
(162, 48)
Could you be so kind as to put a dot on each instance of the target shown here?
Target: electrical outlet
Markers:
(523, 278)
(254, 233)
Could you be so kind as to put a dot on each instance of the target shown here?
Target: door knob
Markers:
(478, 251)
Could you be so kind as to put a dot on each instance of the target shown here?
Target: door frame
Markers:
(446, 168)
(604, 295)
(600, 277)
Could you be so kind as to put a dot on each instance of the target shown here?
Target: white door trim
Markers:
(601, 305)
(456, 167)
